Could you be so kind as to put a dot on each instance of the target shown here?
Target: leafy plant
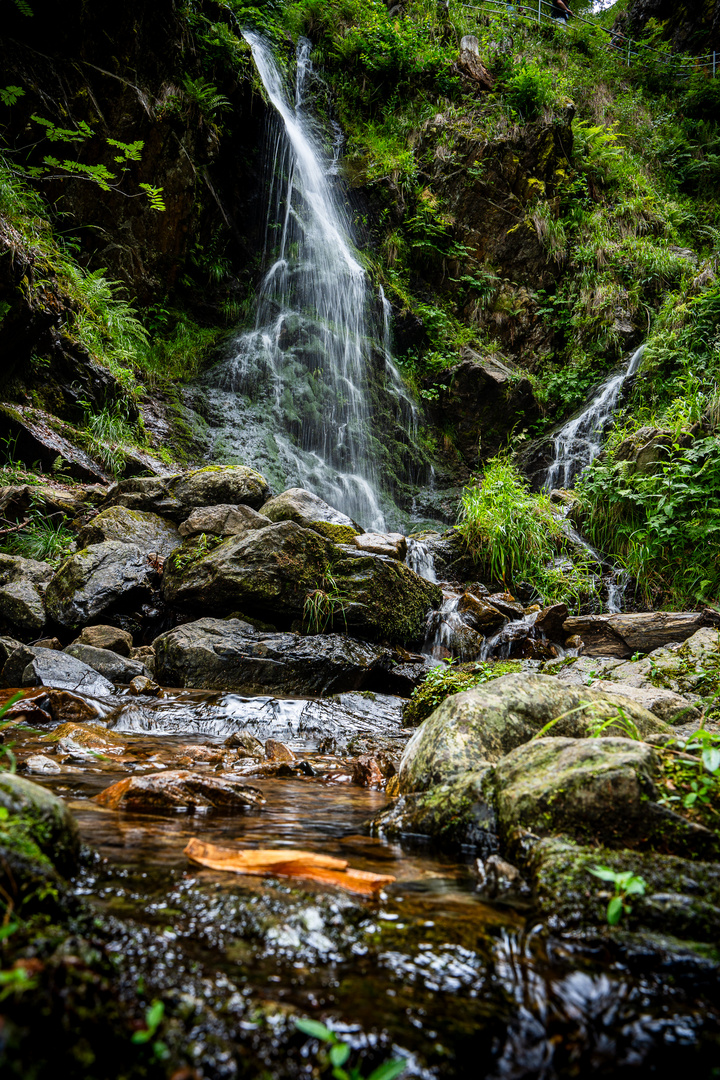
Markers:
(625, 884)
(338, 1053)
(154, 1015)
(448, 679)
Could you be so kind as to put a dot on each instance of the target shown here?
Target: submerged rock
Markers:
(29, 666)
(179, 790)
(98, 579)
(150, 532)
(177, 495)
(22, 589)
(231, 654)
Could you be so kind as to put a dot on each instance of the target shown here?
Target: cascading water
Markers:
(581, 439)
(577, 444)
(298, 397)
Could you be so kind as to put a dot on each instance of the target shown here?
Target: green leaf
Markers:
(314, 1028)
(339, 1054)
(614, 910)
(154, 1014)
(636, 887)
(711, 758)
(389, 1070)
(603, 872)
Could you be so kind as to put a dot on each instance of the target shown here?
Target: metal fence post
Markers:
(714, 55)
(628, 55)
(540, 12)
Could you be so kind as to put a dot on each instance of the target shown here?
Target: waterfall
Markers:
(298, 396)
(581, 439)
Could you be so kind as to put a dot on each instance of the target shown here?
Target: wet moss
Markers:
(443, 682)
(340, 534)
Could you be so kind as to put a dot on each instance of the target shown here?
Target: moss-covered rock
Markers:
(22, 588)
(36, 825)
(150, 532)
(306, 509)
(458, 813)
(591, 788)
(270, 573)
(479, 726)
(177, 495)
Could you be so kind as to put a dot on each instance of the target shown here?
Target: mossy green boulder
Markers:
(150, 532)
(270, 573)
(177, 495)
(306, 509)
(96, 580)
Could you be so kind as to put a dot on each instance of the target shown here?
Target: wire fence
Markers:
(627, 50)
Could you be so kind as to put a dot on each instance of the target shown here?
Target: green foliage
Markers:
(108, 432)
(530, 89)
(691, 776)
(154, 1016)
(514, 536)
(205, 97)
(338, 1053)
(11, 94)
(447, 679)
(625, 884)
(325, 606)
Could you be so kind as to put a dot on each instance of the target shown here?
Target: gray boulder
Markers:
(394, 545)
(97, 579)
(223, 521)
(289, 573)
(306, 509)
(22, 588)
(30, 666)
(118, 669)
(177, 495)
(230, 654)
(150, 532)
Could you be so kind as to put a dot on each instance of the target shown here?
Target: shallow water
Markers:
(458, 986)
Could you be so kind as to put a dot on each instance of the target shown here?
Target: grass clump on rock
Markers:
(444, 681)
(514, 536)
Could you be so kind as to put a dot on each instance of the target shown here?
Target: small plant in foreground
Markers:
(323, 605)
(153, 1018)
(339, 1052)
(626, 884)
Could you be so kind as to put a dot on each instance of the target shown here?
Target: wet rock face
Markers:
(30, 666)
(458, 813)
(623, 635)
(480, 395)
(179, 790)
(306, 509)
(150, 532)
(177, 495)
(97, 580)
(273, 571)
(118, 669)
(38, 824)
(223, 521)
(476, 727)
(22, 589)
(232, 655)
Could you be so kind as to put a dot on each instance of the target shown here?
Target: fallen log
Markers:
(287, 862)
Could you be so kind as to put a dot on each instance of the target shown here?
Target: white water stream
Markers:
(298, 395)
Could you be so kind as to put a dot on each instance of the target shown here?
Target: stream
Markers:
(432, 971)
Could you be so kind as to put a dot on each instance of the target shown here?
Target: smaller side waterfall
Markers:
(419, 559)
(580, 440)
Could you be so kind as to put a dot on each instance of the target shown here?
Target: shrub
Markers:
(444, 681)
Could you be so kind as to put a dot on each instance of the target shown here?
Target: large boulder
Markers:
(22, 588)
(223, 520)
(31, 666)
(591, 789)
(177, 495)
(150, 532)
(116, 668)
(477, 727)
(97, 580)
(286, 572)
(306, 509)
(230, 654)
(624, 635)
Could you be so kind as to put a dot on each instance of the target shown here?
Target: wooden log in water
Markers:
(287, 862)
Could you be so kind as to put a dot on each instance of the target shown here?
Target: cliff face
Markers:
(693, 28)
